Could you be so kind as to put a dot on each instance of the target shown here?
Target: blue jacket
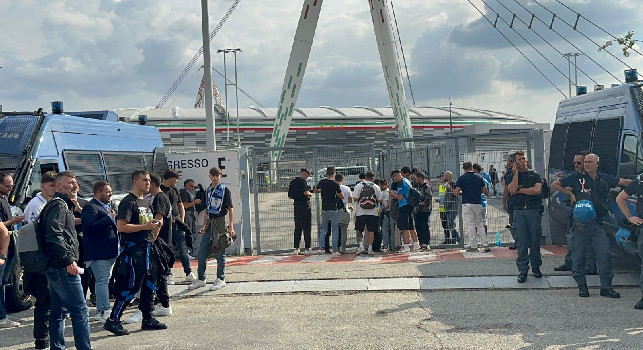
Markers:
(100, 240)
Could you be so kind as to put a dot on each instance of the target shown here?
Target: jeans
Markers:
(332, 217)
(588, 236)
(303, 220)
(190, 222)
(3, 309)
(179, 242)
(528, 231)
(422, 227)
(640, 245)
(66, 293)
(448, 224)
(204, 252)
(472, 217)
(388, 241)
(102, 272)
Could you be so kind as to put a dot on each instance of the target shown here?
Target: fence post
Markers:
(255, 189)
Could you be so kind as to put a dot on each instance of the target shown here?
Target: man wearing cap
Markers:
(635, 188)
(591, 188)
(300, 194)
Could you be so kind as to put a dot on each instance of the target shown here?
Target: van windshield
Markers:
(15, 133)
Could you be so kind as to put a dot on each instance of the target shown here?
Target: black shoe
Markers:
(536, 272)
(563, 267)
(639, 305)
(522, 278)
(513, 247)
(92, 299)
(152, 324)
(609, 292)
(115, 327)
(583, 291)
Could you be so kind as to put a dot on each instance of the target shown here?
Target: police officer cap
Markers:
(584, 211)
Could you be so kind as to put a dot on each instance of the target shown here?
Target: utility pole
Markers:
(225, 78)
(569, 68)
(210, 141)
(450, 117)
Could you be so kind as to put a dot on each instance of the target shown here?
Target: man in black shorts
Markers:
(367, 195)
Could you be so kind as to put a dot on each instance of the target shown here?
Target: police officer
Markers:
(525, 202)
(635, 188)
(592, 187)
(299, 192)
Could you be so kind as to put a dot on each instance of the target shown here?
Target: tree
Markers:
(625, 41)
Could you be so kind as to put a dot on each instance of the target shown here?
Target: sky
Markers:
(111, 54)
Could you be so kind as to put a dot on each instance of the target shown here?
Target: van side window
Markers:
(119, 166)
(579, 138)
(88, 168)
(557, 158)
(631, 159)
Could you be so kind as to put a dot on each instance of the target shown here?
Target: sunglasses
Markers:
(579, 163)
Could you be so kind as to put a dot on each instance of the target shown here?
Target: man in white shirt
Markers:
(35, 205)
(367, 195)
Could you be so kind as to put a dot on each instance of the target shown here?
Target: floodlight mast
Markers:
(298, 60)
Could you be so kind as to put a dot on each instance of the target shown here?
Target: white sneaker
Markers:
(415, 246)
(309, 252)
(160, 311)
(404, 250)
(136, 317)
(7, 323)
(296, 252)
(101, 316)
(336, 252)
(191, 277)
(170, 280)
(196, 284)
(370, 252)
(218, 284)
(190, 257)
(359, 250)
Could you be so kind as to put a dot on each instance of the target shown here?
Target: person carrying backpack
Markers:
(405, 219)
(367, 195)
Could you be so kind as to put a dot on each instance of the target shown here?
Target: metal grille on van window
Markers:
(160, 161)
(87, 167)
(637, 97)
(605, 143)
(579, 135)
(120, 166)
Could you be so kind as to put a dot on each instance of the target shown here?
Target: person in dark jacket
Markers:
(63, 273)
(100, 243)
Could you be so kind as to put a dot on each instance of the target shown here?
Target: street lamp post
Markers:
(450, 118)
(225, 78)
(210, 140)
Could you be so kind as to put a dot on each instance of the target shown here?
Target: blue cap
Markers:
(584, 211)
(622, 235)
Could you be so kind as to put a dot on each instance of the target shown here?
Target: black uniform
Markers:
(303, 216)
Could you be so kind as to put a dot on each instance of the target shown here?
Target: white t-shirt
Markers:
(386, 197)
(358, 190)
(346, 191)
(33, 208)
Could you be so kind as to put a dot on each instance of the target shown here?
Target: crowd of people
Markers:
(118, 255)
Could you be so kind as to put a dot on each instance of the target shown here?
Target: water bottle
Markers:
(498, 241)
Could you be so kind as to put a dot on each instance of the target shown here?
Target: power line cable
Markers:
(543, 39)
(406, 68)
(517, 49)
(578, 15)
(581, 33)
(523, 38)
(240, 89)
(533, 16)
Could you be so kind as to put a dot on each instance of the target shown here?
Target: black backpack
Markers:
(367, 198)
(414, 198)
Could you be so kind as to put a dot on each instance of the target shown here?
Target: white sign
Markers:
(196, 166)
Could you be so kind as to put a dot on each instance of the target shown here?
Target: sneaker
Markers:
(115, 328)
(537, 273)
(7, 323)
(196, 284)
(296, 252)
(370, 252)
(152, 324)
(101, 316)
(487, 249)
(404, 250)
(471, 250)
(360, 250)
(190, 257)
(336, 252)
(610, 293)
(415, 246)
(320, 251)
(136, 317)
(92, 300)
(522, 278)
(583, 291)
(423, 246)
(563, 267)
(218, 284)
(170, 280)
(513, 246)
(161, 311)
(190, 277)
(309, 252)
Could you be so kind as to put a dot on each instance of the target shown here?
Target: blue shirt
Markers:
(470, 184)
(483, 197)
(403, 190)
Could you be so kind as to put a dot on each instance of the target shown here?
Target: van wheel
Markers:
(16, 299)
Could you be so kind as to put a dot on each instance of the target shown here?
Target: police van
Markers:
(93, 145)
(606, 122)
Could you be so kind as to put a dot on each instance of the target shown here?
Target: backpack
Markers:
(414, 198)
(30, 244)
(367, 198)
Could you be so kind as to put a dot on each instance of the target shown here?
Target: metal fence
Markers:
(273, 209)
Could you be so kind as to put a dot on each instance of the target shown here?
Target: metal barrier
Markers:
(273, 209)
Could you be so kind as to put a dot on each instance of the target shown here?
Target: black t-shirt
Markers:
(186, 198)
(596, 191)
(135, 211)
(329, 190)
(470, 184)
(173, 194)
(297, 188)
(161, 205)
(5, 210)
(526, 179)
(635, 188)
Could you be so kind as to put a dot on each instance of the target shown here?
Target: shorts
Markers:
(370, 221)
(405, 221)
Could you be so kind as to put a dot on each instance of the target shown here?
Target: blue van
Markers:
(93, 145)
